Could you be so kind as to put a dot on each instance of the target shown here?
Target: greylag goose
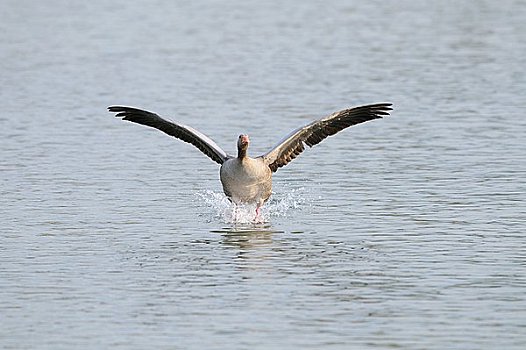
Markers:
(246, 179)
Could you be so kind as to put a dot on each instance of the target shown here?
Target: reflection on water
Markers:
(246, 229)
(247, 235)
(247, 238)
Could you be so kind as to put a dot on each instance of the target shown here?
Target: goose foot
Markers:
(236, 213)
(258, 219)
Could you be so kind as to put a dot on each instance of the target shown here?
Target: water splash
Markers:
(246, 214)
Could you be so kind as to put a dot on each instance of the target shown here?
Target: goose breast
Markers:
(246, 180)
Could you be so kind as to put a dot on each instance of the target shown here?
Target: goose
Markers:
(248, 180)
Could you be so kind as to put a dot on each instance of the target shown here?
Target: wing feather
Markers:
(312, 134)
(180, 131)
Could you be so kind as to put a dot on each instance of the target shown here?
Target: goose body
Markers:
(246, 179)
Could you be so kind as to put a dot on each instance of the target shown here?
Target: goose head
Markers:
(242, 145)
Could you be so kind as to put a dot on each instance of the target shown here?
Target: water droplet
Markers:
(243, 214)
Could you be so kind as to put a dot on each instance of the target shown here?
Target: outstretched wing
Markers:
(312, 134)
(180, 131)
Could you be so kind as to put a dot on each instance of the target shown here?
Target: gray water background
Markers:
(407, 232)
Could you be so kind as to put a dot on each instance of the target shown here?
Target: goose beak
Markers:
(244, 139)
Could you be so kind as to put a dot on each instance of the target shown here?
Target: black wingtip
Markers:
(382, 109)
(383, 105)
(125, 112)
(117, 109)
(388, 106)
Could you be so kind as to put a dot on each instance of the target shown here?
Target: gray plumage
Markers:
(246, 179)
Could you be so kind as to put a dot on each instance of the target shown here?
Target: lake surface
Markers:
(406, 232)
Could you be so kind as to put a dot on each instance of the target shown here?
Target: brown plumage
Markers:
(312, 134)
(180, 131)
(246, 179)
